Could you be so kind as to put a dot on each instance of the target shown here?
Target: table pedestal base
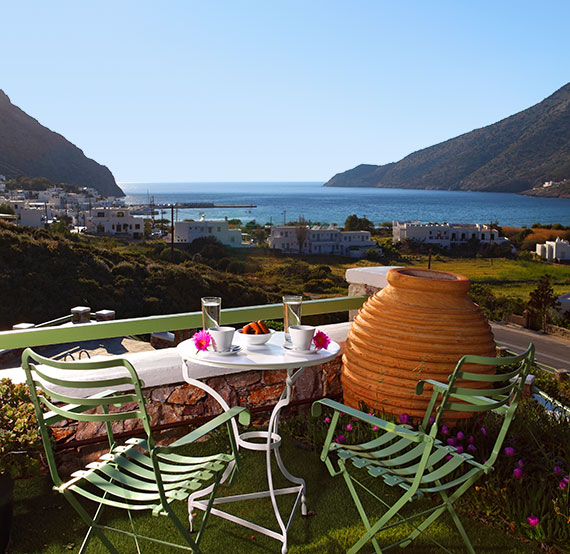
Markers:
(271, 443)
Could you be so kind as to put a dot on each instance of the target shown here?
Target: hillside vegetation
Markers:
(43, 275)
(511, 155)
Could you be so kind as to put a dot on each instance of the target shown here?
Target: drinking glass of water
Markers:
(292, 313)
(211, 311)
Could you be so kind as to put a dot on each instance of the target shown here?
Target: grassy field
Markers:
(45, 523)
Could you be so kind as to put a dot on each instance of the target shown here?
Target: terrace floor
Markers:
(45, 523)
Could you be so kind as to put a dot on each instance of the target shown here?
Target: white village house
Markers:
(554, 250)
(295, 239)
(188, 231)
(445, 234)
(113, 221)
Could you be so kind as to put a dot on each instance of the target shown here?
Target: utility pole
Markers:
(172, 232)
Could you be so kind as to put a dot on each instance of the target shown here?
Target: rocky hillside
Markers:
(28, 148)
(513, 155)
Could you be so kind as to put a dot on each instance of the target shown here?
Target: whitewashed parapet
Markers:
(366, 281)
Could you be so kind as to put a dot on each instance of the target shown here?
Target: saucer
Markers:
(234, 349)
(297, 352)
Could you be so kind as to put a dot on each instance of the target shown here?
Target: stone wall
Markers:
(169, 405)
(558, 331)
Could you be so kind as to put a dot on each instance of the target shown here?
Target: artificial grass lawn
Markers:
(44, 521)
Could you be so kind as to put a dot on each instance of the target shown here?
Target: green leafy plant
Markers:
(20, 441)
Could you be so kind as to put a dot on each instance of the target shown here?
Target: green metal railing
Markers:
(39, 336)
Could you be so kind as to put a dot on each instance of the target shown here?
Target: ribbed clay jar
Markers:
(417, 327)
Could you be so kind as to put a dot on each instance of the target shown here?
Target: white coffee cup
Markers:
(221, 338)
(301, 336)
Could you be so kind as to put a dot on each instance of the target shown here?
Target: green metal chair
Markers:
(135, 476)
(416, 461)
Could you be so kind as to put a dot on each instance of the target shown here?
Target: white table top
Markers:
(271, 355)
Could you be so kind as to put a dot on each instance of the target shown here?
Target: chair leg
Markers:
(92, 523)
(361, 512)
(183, 530)
(208, 508)
(96, 518)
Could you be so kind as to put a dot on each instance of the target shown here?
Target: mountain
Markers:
(30, 149)
(512, 155)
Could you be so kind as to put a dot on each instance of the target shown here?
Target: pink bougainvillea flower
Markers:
(471, 447)
(567, 478)
(533, 521)
(202, 340)
(444, 430)
(484, 431)
(327, 419)
(558, 470)
(404, 418)
(349, 427)
(563, 485)
(340, 439)
(460, 436)
(471, 439)
(375, 427)
(517, 473)
(509, 451)
(321, 340)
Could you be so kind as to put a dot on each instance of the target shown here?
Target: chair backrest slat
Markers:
(73, 390)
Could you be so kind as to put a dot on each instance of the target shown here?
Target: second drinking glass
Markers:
(292, 313)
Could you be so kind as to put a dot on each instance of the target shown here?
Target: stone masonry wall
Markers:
(183, 402)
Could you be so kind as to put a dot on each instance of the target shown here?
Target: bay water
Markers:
(277, 202)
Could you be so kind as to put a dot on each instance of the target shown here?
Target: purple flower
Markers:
(459, 449)
(567, 478)
(460, 436)
(201, 340)
(484, 431)
(520, 463)
(404, 418)
(563, 485)
(471, 439)
(451, 441)
(321, 340)
(340, 414)
(431, 420)
(349, 427)
(340, 439)
(471, 447)
(327, 419)
(448, 457)
(558, 470)
(517, 473)
(533, 521)
(375, 427)
(509, 451)
(444, 430)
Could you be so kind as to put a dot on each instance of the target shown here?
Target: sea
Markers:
(279, 202)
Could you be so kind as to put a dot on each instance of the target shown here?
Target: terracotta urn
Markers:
(417, 327)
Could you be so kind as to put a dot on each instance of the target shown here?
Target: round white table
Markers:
(269, 357)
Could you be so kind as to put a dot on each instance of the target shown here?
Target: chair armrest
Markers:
(438, 386)
(51, 417)
(241, 413)
(387, 426)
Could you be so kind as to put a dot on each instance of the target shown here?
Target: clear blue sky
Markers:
(242, 90)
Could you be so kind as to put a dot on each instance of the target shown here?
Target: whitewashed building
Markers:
(554, 250)
(445, 234)
(188, 231)
(31, 214)
(295, 239)
(113, 221)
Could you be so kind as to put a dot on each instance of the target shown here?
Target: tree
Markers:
(355, 223)
(301, 231)
(7, 209)
(543, 299)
